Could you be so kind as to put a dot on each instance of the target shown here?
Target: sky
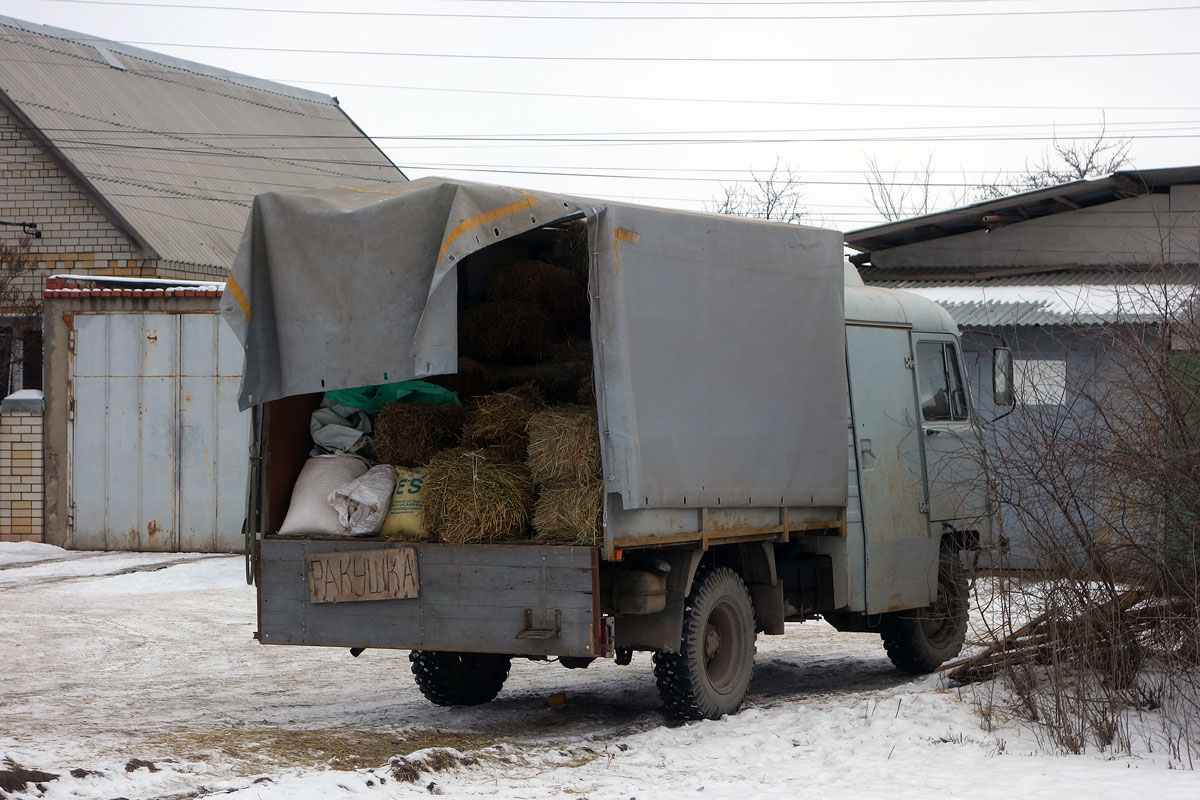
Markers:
(668, 103)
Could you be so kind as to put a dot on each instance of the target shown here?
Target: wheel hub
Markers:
(712, 643)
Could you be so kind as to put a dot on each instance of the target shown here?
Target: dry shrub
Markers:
(564, 445)
(1102, 486)
(407, 769)
(555, 290)
(408, 434)
(500, 420)
(569, 513)
(506, 332)
(471, 497)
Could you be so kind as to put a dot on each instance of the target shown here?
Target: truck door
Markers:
(953, 451)
(887, 431)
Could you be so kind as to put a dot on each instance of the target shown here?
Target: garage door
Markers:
(158, 448)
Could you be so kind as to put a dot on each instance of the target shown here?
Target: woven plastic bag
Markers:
(362, 504)
(309, 511)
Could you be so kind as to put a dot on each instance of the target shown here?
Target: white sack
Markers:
(310, 511)
(362, 504)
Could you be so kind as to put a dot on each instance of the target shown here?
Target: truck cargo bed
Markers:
(524, 600)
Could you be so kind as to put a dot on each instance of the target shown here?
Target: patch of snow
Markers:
(160, 665)
(84, 564)
(22, 552)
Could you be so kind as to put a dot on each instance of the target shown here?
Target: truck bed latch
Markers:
(530, 632)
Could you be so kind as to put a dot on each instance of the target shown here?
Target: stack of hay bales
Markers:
(523, 451)
(564, 463)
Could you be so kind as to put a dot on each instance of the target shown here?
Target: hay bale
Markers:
(555, 290)
(408, 434)
(569, 513)
(571, 249)
(570, 350)
(471, 380)
(564, 445)
(471, 496)
(555, 382)
(506, 332)
(586, 391)
(499, 420)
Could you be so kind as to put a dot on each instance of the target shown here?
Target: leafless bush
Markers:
(1103, 484)
(777, 196)
(1066, 161)
(18, 307)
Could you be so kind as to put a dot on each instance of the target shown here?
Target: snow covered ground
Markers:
(136, 676)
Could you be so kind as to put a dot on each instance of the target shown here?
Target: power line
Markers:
(670, 59)
(642, 17)
(482, 142)
(735, 100)
(318, 141)
(643, 98)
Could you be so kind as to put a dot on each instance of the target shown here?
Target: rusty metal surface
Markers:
(157, 447)
(174, 149)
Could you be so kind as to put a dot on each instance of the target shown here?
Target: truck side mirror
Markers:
(1002, 377)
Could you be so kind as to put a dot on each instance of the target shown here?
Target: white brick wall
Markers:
(22, 488)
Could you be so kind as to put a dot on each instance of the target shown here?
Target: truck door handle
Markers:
(932, 431)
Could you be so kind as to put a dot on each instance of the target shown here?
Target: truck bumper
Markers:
(523, 600)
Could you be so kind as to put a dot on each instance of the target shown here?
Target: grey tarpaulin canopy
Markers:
(719, 342)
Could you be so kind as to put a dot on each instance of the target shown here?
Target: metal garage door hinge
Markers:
(71, 409)
(71, 517)
(923, 506)
(909, 362)
(71, 341)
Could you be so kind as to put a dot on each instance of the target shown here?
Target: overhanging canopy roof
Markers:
(1019, 207)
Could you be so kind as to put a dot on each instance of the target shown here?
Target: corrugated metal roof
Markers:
(1019, 207)
(1057, 299)
(172, 150)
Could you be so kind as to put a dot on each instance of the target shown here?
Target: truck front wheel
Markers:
(708, 677)
(921, 639)
(459, 679)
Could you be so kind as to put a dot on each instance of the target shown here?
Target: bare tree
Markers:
(18, 305)
(896, 194)
(1065, 161)
(776, 196)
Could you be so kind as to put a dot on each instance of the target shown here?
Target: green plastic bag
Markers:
(373, 398)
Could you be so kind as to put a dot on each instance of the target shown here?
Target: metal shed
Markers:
(145, 446)
(1048, 271)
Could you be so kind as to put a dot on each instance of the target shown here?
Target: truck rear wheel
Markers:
(459, 679)
(708, 677)
(921, 639)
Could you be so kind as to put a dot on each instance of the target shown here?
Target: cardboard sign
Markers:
(353, 576)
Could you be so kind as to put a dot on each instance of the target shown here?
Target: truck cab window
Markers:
(939, 380)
